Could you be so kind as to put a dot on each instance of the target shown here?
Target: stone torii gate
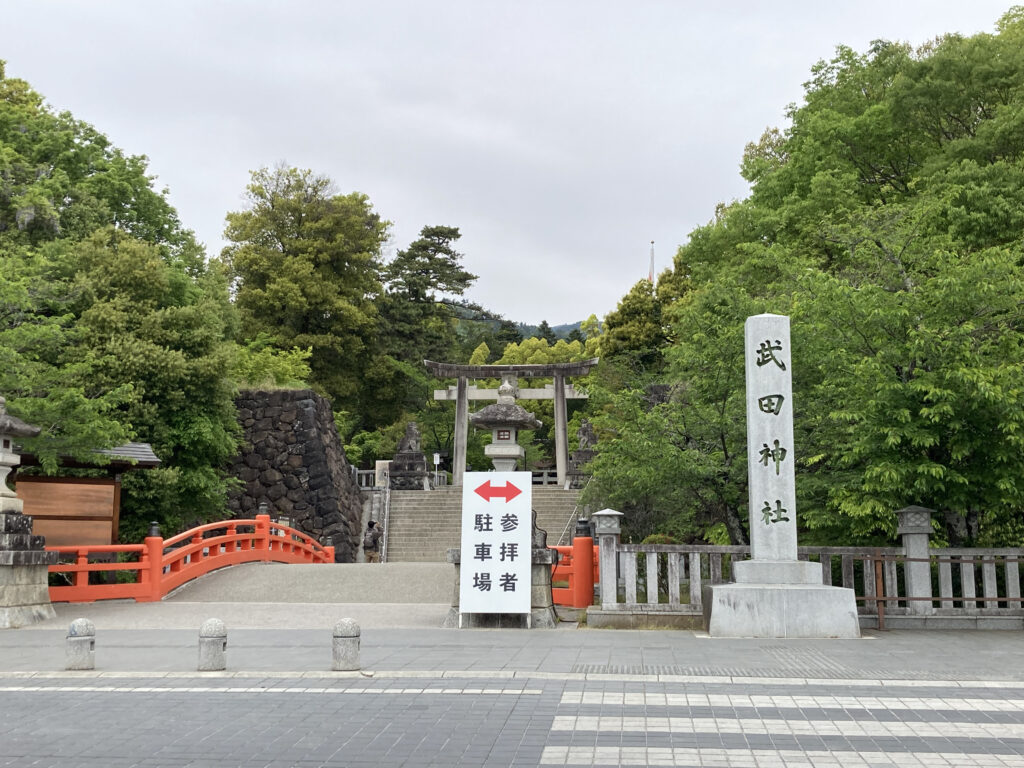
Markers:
(462, 393)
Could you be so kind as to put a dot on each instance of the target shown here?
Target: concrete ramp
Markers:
(378, 583)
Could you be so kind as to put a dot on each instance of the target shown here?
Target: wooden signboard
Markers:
(72, 511)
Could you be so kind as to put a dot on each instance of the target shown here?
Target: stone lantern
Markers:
(24, 561)
(505, 419)
(11, 427)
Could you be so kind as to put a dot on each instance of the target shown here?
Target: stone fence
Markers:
(907, 587)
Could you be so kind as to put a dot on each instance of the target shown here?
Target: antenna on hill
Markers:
(650, 275)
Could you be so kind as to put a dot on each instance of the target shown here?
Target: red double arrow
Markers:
(506, 492)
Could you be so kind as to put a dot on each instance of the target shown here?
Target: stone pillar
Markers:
(608, 531)
(915, 526)
(461, 430)
(213, 646)
(561, 431)
(24, 561)
(345, 646)
(775, 594)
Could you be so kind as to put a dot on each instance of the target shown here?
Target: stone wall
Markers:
(293, 461)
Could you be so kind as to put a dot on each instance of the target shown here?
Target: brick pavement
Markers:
(354, 721)
(432, 697)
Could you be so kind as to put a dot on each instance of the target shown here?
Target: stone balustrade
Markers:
(911, 586)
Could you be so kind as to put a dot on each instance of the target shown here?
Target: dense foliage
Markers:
(887, 221)
(112, 327)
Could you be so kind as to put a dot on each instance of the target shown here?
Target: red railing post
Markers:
(152, 569)
(262, 536)
(328, 554)
(197, 538)
(583, 572)
(81, 578)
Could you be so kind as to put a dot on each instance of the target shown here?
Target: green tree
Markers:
(886, 221)
(417, 322)
(259, 364)
(635, 329)
(113, 327)
(306, 266)
(544, 332)
(416, 308)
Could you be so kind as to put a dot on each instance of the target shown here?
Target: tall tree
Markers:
(306, 262)
(416, 308)
(635, 329)
(886, 221)
(544, 332)
(112, 326)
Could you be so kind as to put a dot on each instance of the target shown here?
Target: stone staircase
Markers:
(424, 525)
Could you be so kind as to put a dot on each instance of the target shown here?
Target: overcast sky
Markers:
(560, 137)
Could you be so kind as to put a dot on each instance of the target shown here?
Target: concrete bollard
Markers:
(80, 651)
(346, 646)
(213, 646)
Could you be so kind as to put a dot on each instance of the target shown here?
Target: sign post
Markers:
(497, 521)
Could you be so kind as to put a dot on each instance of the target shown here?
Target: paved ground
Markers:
(434, 697)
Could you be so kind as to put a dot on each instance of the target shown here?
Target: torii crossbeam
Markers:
(462, 393)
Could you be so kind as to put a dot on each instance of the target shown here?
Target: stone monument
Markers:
(409, 467)
(24, 561)
(774, 594)
(585, 453)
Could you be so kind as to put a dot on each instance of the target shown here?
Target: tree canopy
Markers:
(112, 326)
(306, 264)
(886, 221)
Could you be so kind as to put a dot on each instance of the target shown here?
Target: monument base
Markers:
(24, 596)
(776, 572)
(780, 610)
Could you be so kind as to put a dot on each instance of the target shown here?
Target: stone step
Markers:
(422, 526)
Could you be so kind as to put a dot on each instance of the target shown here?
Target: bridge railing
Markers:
(148, 571)
(572, 567)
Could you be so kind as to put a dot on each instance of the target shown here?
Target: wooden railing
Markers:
(148, 571)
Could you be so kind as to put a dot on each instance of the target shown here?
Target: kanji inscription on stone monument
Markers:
(769, 372)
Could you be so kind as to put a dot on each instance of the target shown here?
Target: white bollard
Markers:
(80, 650)
(213, 646)
(346, 646)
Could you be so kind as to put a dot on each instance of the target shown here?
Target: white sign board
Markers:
(497, 519)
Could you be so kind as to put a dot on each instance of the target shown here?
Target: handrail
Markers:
(164, 565)
(572, 517)
(387, 517)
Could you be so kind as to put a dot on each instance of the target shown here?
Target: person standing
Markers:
(371, 542)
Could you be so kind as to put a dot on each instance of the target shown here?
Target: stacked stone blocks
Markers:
(293, 461)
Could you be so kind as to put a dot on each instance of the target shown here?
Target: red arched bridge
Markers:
(148, 571)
